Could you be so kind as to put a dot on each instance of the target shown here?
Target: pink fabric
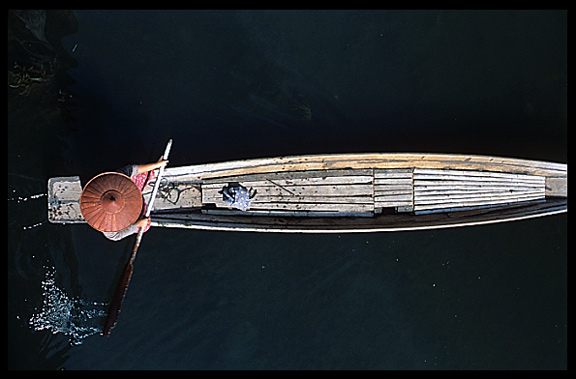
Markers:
(140, 180)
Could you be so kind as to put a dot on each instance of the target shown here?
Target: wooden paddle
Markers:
(120, 292)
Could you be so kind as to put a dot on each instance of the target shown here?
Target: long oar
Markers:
(120, 292)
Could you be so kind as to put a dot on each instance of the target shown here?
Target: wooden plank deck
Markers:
(438, 190)
(174, 195)
(393, 188)
(347, 191)
(299, 193)
(356, 191)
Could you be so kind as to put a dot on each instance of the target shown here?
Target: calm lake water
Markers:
(241, 84)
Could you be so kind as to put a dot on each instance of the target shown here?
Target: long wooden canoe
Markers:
(345, 193)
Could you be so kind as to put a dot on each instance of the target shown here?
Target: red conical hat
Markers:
(111, 202)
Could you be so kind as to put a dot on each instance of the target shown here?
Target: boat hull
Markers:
(359, 193)
(380, 223)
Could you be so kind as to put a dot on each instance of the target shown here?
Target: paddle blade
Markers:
(118, 298)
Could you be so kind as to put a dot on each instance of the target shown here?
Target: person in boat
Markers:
(112, 202)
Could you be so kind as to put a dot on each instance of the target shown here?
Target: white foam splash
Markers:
(75, 318)
(32, 226)
(20, 199)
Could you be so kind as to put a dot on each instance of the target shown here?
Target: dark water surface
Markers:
(242, 84)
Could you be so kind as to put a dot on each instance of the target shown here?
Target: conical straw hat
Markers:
(111, 202)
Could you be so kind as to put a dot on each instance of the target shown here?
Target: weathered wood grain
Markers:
(393, 188)
(63, 200)
(325, 193)
(448, 189)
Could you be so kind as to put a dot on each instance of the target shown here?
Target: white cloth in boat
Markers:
(237, 196)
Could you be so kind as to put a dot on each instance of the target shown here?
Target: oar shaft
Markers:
(120, 293)
(157, 183)
(151, 200)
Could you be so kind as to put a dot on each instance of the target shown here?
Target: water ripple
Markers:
(75, 318)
